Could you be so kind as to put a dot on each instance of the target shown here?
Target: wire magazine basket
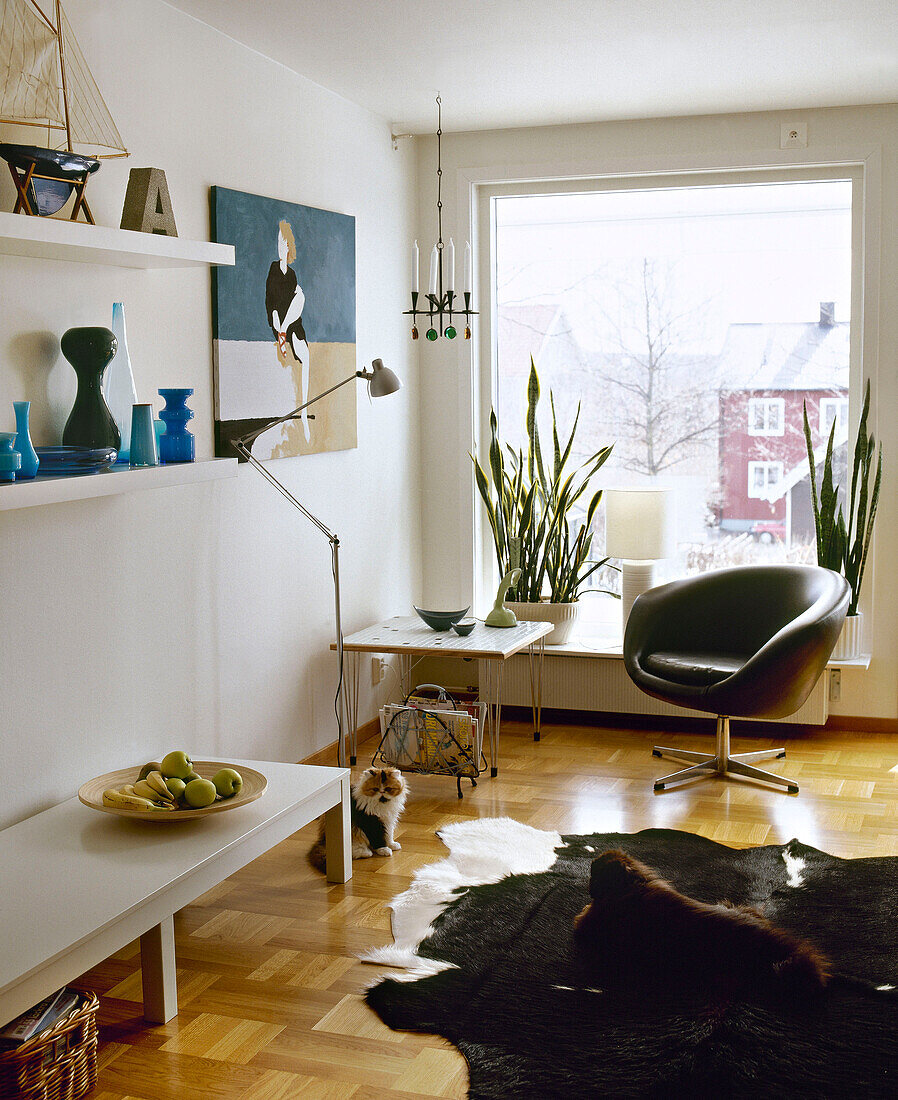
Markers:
(434, 734)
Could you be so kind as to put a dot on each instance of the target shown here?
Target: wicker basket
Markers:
(57, 1064)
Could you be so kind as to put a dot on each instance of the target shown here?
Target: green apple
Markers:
(153, 766)
(176, 765)
(189, 778)
(177, 787)
(228, 782)
(200, 793)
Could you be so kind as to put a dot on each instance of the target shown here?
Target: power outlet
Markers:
(794, 135)
(835, 685)
(378, 670)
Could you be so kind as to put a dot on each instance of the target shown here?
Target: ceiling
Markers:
(508, 63)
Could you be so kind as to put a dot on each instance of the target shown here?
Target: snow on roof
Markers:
(785, 356)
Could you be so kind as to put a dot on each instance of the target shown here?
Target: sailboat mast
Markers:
(65, 91)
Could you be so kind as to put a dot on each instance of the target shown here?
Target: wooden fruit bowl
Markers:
(91, 792)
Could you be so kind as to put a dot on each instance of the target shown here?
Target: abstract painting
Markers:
(283, 324)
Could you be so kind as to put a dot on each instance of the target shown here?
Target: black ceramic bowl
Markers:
(442, 620)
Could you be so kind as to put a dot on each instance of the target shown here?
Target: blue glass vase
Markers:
(176, 444)
(23, 444)
(10, 460)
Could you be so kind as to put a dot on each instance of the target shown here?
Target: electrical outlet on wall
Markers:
(794, 135)
(378, 670)
(835, 685)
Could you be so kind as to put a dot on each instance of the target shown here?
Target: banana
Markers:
(126, 801)
(143, 789)
(157, 782)
(127, 789)
(153, 765)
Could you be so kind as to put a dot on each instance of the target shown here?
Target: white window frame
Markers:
(842, 410)
(478, 185)
(769, 483)
(767, 404)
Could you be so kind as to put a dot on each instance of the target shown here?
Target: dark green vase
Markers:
(90, 423)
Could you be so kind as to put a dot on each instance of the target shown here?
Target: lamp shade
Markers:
(638, 523)
(382, 381)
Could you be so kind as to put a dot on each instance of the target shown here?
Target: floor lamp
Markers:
(381, 381)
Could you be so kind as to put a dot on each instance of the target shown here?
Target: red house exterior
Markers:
(762, 454)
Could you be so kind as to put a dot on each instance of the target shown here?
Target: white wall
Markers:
(447, 373)
(199, 617)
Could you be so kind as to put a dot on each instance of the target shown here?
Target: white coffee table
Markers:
(409, 637)
(77, 885)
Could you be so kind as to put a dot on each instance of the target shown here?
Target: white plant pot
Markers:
(849, 644)
(563, 617)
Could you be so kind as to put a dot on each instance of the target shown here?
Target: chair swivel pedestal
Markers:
(721, 761)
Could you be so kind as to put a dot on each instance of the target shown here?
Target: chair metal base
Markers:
(721, 762)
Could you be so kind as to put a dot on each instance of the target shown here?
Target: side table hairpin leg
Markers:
(493, 693)
(351, 661)
(536, 652)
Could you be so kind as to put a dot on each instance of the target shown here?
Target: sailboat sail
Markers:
(37, 83)
(90, 122)
(29, 67)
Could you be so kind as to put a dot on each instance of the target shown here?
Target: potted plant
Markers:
(531, 506)
(843, 546)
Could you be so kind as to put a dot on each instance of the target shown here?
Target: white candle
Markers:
(415, 268)
(469, 281)
(433, 270)
(450, 266)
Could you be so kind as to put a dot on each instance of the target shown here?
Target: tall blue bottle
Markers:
(176, 444)
(23, 444)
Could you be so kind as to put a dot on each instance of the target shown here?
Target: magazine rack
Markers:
(431, 733)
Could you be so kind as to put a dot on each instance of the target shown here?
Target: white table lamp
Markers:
(638, 531)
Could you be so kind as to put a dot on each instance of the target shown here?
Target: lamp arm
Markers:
(240, 445)
(251, 437)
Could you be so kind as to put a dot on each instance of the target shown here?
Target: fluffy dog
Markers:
(641, 932)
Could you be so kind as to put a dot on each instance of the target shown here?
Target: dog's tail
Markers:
(318, 857)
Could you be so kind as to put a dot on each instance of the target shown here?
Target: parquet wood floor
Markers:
(268, 983)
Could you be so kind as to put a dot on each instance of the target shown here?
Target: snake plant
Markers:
(529, 504)
(844, 546)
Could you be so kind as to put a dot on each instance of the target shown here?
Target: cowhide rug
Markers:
(490, 963)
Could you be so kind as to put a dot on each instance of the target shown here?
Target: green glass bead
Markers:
(432, 334)
(451, 333)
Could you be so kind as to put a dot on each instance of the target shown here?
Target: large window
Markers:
(692, 324)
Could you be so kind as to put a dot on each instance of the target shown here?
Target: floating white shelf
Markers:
(56, 239)
(56, 490)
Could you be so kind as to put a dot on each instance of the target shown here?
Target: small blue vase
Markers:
(10, 460)
(23, 444)
(176, 444)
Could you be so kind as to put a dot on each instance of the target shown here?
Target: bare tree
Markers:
(664, 398)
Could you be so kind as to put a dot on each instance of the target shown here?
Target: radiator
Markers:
(593, 683)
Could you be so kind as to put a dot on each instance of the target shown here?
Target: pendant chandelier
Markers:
(440, 309)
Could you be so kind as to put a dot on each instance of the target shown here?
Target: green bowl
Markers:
(442, 620)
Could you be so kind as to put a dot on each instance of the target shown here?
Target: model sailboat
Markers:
(45, 82)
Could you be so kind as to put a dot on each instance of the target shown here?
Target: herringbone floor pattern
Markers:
(268, 984)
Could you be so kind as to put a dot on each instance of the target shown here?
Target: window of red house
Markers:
(765, 415)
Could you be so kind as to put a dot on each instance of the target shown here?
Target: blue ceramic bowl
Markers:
(442, 620)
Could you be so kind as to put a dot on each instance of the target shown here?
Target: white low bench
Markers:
(77, 885)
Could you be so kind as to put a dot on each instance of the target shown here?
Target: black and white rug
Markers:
(484, 939)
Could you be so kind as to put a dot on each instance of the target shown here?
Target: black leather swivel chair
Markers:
(749, 642)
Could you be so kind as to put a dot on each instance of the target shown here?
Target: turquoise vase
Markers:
(90, 423)
(10, 460)
(176, 444)
(23, 444)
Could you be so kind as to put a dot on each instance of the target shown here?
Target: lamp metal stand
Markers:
(242, 446)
